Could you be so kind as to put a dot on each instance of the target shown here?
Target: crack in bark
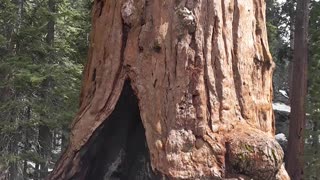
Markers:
(117, 79)
(206, 73)
(176, 59)
(100, 5)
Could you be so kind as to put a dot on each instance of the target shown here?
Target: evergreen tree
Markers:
(313, 131)
(42, 51)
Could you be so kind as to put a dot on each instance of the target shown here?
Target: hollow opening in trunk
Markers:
(118, 148)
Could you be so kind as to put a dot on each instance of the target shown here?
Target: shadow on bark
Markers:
(118, 149)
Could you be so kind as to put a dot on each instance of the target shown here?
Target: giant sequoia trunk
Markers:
(195, 88)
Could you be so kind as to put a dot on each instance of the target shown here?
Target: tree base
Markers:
(118, 149)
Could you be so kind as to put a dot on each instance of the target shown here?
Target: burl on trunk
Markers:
(201, 79)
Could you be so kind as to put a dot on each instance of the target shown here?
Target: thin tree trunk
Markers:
(45, 149)
(13, 165)
(294, 162)
(51, 23)
(64, 138)
(27, 145)
(45, 135)
(291, 23)
(202, 74)
(37, 172)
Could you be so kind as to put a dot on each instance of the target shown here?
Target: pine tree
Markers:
(40, 81)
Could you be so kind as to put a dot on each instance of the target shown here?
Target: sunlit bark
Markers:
(202, 73)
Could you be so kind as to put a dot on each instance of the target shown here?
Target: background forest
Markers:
(43, 49)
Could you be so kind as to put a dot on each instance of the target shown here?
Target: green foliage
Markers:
(277, 27)
(39, 81)
(312, 148)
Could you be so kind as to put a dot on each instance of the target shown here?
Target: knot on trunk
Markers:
(253, 153)
(187, 19)
(131, 12)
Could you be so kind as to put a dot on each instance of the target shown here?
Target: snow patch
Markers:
(57, 150)
(32, 164)
(281, 107)
(281, 1)
(281, 137)
(284, 93)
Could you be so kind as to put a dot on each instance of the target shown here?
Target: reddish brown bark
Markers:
(298, 92)
(202, 73)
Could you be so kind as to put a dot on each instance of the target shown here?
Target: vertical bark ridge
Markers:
(208, 53)
(235, 60)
